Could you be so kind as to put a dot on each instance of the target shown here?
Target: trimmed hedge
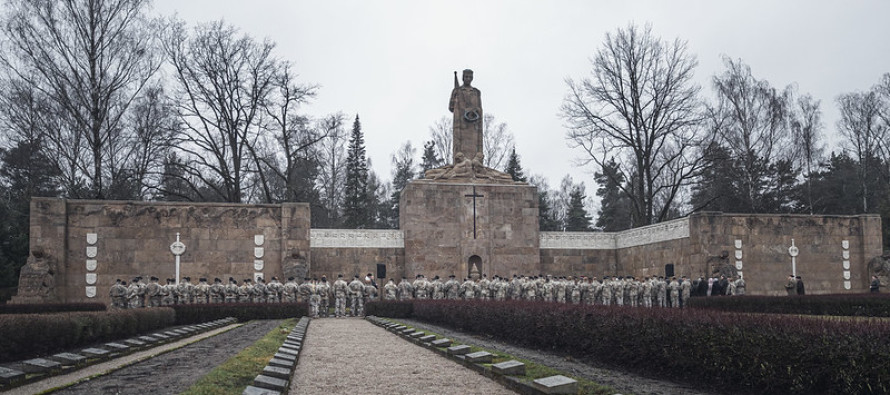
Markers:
(197, 313)
(27, 335)
(859, 305)
(390, 308)
(741, 352)
(50, 308)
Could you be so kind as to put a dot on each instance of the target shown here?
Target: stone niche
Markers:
(446, 228)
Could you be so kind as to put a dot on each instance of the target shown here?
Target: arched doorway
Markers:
(474, 267)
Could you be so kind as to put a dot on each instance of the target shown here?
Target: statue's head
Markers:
(458, 157)
(467, 77)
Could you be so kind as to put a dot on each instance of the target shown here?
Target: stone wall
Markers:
(445, 226)
(106, 240)
(352, 251)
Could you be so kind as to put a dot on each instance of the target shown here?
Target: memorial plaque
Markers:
(556, 385)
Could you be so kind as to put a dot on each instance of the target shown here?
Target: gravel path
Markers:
(353, 356)
(621, 381)
(175, 371)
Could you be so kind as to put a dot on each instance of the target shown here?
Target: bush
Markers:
(196, 313)
(749, 353)
(390, 308)
(50, 308)
(860, 305)
(27, 335)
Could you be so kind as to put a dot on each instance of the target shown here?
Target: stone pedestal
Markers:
(447, 229)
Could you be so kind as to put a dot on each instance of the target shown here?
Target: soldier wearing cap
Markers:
(390, 290)
(153, 292)
(232, 291)
(217, 291)
(118, 294)
(167, 293)
(244, 291)
(340, 290)
(304, 291)
(273, 291)
(290, 290)
(356, 295)
(452, 288)
(324, 294)
(201, 292)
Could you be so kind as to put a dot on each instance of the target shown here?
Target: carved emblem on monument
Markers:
(91, 264)
(259, 240)
(91, 292)
(92, 238)
(258, 265)
(92, 251)
(466, 105)
(91, 278)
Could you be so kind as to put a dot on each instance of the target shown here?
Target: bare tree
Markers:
(442, 136)
(806, 131)
(223, 80)
(861, 125)
(293, 137)
(91, 58)
(497, 142)
(332, 160)
(753, 120)
(640, 107)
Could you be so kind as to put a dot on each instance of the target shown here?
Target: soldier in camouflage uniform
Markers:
(304, 291)
(661, 292)
(259, 291)
(217, 291)
(356, 297)
(324, 293)
(452, 288)
(685, 291)
(153, 292)
(232, 291)
(484, 288)
(118, 294)
(390, 290)
(674, 288)
(167, 290)
(438, 288)
(406, 290)
(420, 287)
(340, 290)
(370, 293)
(467, 289)
(201, 291)
(314, 299)
(290, 290)
(273, 291)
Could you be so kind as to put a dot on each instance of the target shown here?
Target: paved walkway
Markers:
(353, 356)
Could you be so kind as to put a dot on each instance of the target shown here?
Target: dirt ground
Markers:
(175, 371)
(353, 356)
(623, 382)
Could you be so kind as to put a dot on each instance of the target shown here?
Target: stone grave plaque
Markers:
(8, 375)
(442, 343)
(134, 342)
(281, 363)
(509, 368)
(117, 346)
(276, 372)
(251, 390)
(428, 338)
(417, 334)
(462, 349)
(480, 357)
(94, 352)
(285, 356)
(68, 359)
(271, 383)
(558, 384)
(41, 365)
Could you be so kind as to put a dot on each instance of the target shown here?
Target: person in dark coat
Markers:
(800, 288)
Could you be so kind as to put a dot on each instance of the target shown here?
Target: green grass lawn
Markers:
(239, 371)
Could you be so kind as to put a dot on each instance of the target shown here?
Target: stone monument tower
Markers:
(467, 218)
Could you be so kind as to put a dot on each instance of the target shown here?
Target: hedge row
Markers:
(50, 308)
(27, 335)
(860, 305)
(390, 308)
(197, 313)
(709, 349)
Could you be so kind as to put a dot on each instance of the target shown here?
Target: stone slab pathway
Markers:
(353, 356)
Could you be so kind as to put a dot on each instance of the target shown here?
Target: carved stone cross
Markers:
(474, 195)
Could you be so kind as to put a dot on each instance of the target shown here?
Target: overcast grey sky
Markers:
(391, 62)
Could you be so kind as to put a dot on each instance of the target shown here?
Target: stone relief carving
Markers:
(465, 169)
(91, 278)
(671, 230)
(258, 252)
(92, 251)
(91, 264)
(258, 264)
(295, 265)
(259, 240)
(92, 238)
(91, 291)
(356, 238)
(38, 276)
(880, 266)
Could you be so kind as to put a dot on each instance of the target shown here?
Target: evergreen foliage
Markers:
(615, 211)
(429, 160)
(577, 219)
(356, 202)
(514, 169)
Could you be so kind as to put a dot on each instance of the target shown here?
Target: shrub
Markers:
(28, 335)
(861, 305)
(197, 313)
(390, 308)
(49, 308)
(749, 353)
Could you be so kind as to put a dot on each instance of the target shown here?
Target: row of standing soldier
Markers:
(647, 292)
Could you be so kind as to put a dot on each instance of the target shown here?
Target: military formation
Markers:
(139, 293)
(623, 291)
(350, 297)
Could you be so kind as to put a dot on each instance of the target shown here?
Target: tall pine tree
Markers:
(577, 219)
(615, 212)
(514, 169)
(429, 160)
(356, 211)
